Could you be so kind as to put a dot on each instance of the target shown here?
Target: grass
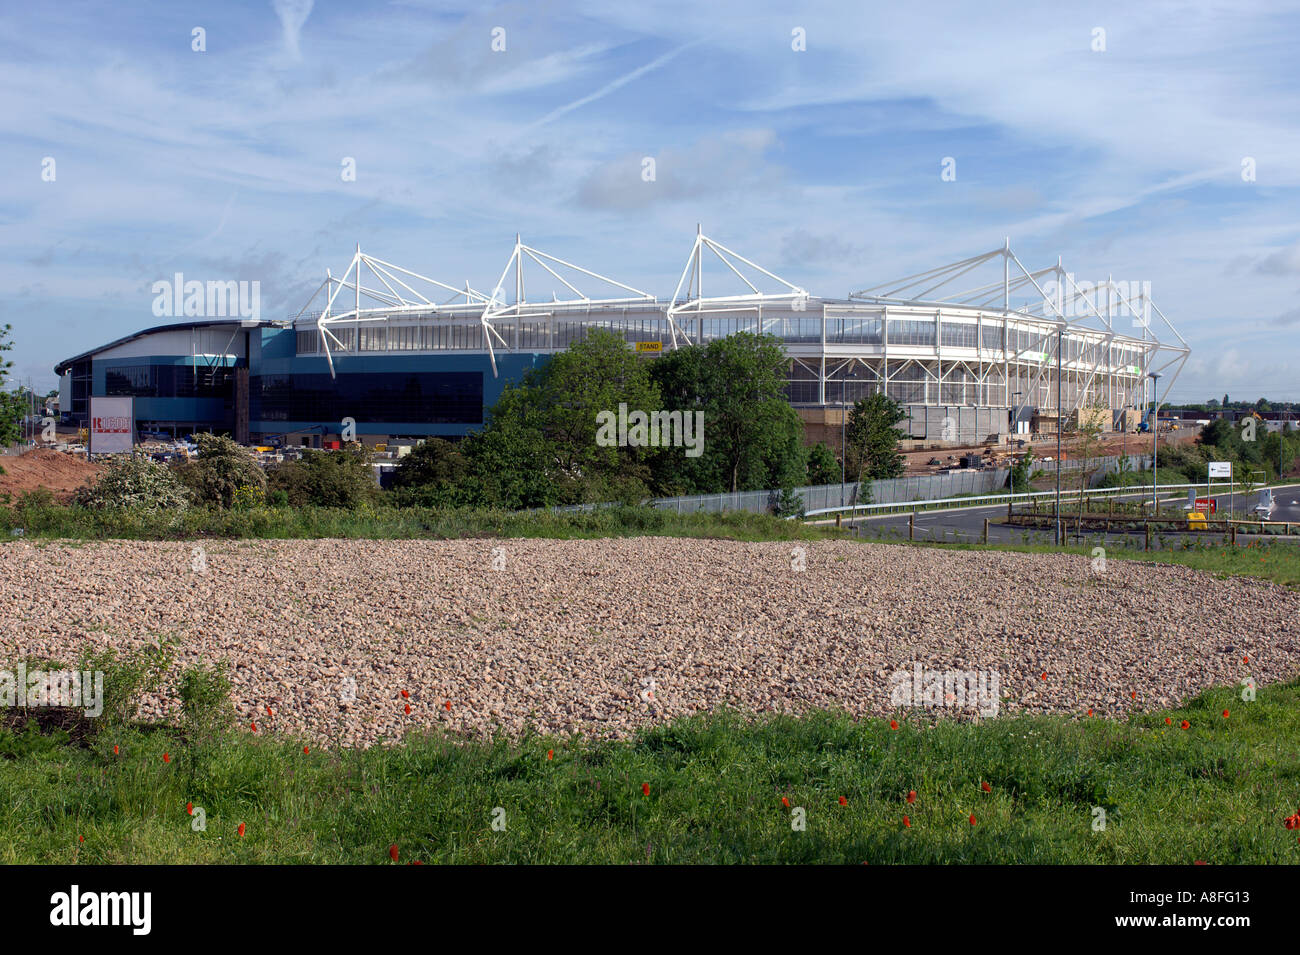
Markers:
(1217, 792)
(385, 523)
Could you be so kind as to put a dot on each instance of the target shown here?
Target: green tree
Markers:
(435, 462)
(823, 468)
(12, 405)
(872, 439)
(753, 439)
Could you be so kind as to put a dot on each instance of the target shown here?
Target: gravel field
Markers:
(566, 636)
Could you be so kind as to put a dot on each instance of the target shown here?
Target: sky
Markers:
(1155, 142)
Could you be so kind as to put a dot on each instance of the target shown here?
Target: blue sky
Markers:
(823, 164)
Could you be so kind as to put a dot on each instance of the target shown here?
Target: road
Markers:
(967, 523)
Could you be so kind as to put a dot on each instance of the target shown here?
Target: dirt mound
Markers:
(41, 467)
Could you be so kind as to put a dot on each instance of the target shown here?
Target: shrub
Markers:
(135, 483)
(206, 710)
(224, 474)
(340, 478)
(127, 677)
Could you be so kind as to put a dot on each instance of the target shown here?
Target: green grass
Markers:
(1217, 792)
(1275, 561)
(386, 522)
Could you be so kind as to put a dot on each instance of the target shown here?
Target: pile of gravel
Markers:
(566, 636)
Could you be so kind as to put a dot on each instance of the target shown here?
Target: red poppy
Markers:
(1044, 676)
(1133, 694)
(1225, 714)
(189, 808)
(1090, 711)
(893, 724)
(1168, 721)
(81, 838)
(550, 754)
(1186, 725)
(408, 709)
(986, 787)
(167, 757)
(911, 795)
(785, 802)
(305, 750)
(645, 789)
(406, 695)
(253, 726)
(392, 852)
(972, 819)
(1198, 862)
(114, 750)
(907, 823)
(843, 801)
(268, 712)
(241, 828)
(1292, 822)
(448, 706)
(1245, 659)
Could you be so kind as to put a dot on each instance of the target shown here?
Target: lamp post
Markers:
(1155, 437)
(1059, 539)
(844, 448)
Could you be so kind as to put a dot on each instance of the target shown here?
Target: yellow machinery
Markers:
(1196, 521)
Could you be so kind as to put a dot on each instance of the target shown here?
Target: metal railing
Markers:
(988, 500)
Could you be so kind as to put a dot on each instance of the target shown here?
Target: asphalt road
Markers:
(967, 523)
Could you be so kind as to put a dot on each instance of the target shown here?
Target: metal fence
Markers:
(923, 487)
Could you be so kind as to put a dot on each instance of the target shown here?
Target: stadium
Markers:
(973, 350)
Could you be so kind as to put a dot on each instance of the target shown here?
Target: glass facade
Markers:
(169, 381)
(414, 397)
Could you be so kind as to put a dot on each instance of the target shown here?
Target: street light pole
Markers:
(1058, 437)
(844, 448)
(1155, 437)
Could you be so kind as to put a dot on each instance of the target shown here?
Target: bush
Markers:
(127, 677)
(224, 474)
(340, 478)
(206, 710)
(138, 484)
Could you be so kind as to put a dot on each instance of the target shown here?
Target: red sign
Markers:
(1205, 505)
(111, 425)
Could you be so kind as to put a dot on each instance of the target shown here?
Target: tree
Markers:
(753, 439)
(1020, 472)
(871, 440)
(435, 462)
(13, 408)
(823, 468)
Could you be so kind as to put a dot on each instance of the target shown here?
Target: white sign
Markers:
(1220, 469)
(112, 425)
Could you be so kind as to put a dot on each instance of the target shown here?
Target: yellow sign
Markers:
(649, 346)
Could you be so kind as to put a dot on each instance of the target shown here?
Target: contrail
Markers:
(609, 87)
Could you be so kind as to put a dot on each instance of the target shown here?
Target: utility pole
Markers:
(1155, 439)
(1058, 435)
(844, 448)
